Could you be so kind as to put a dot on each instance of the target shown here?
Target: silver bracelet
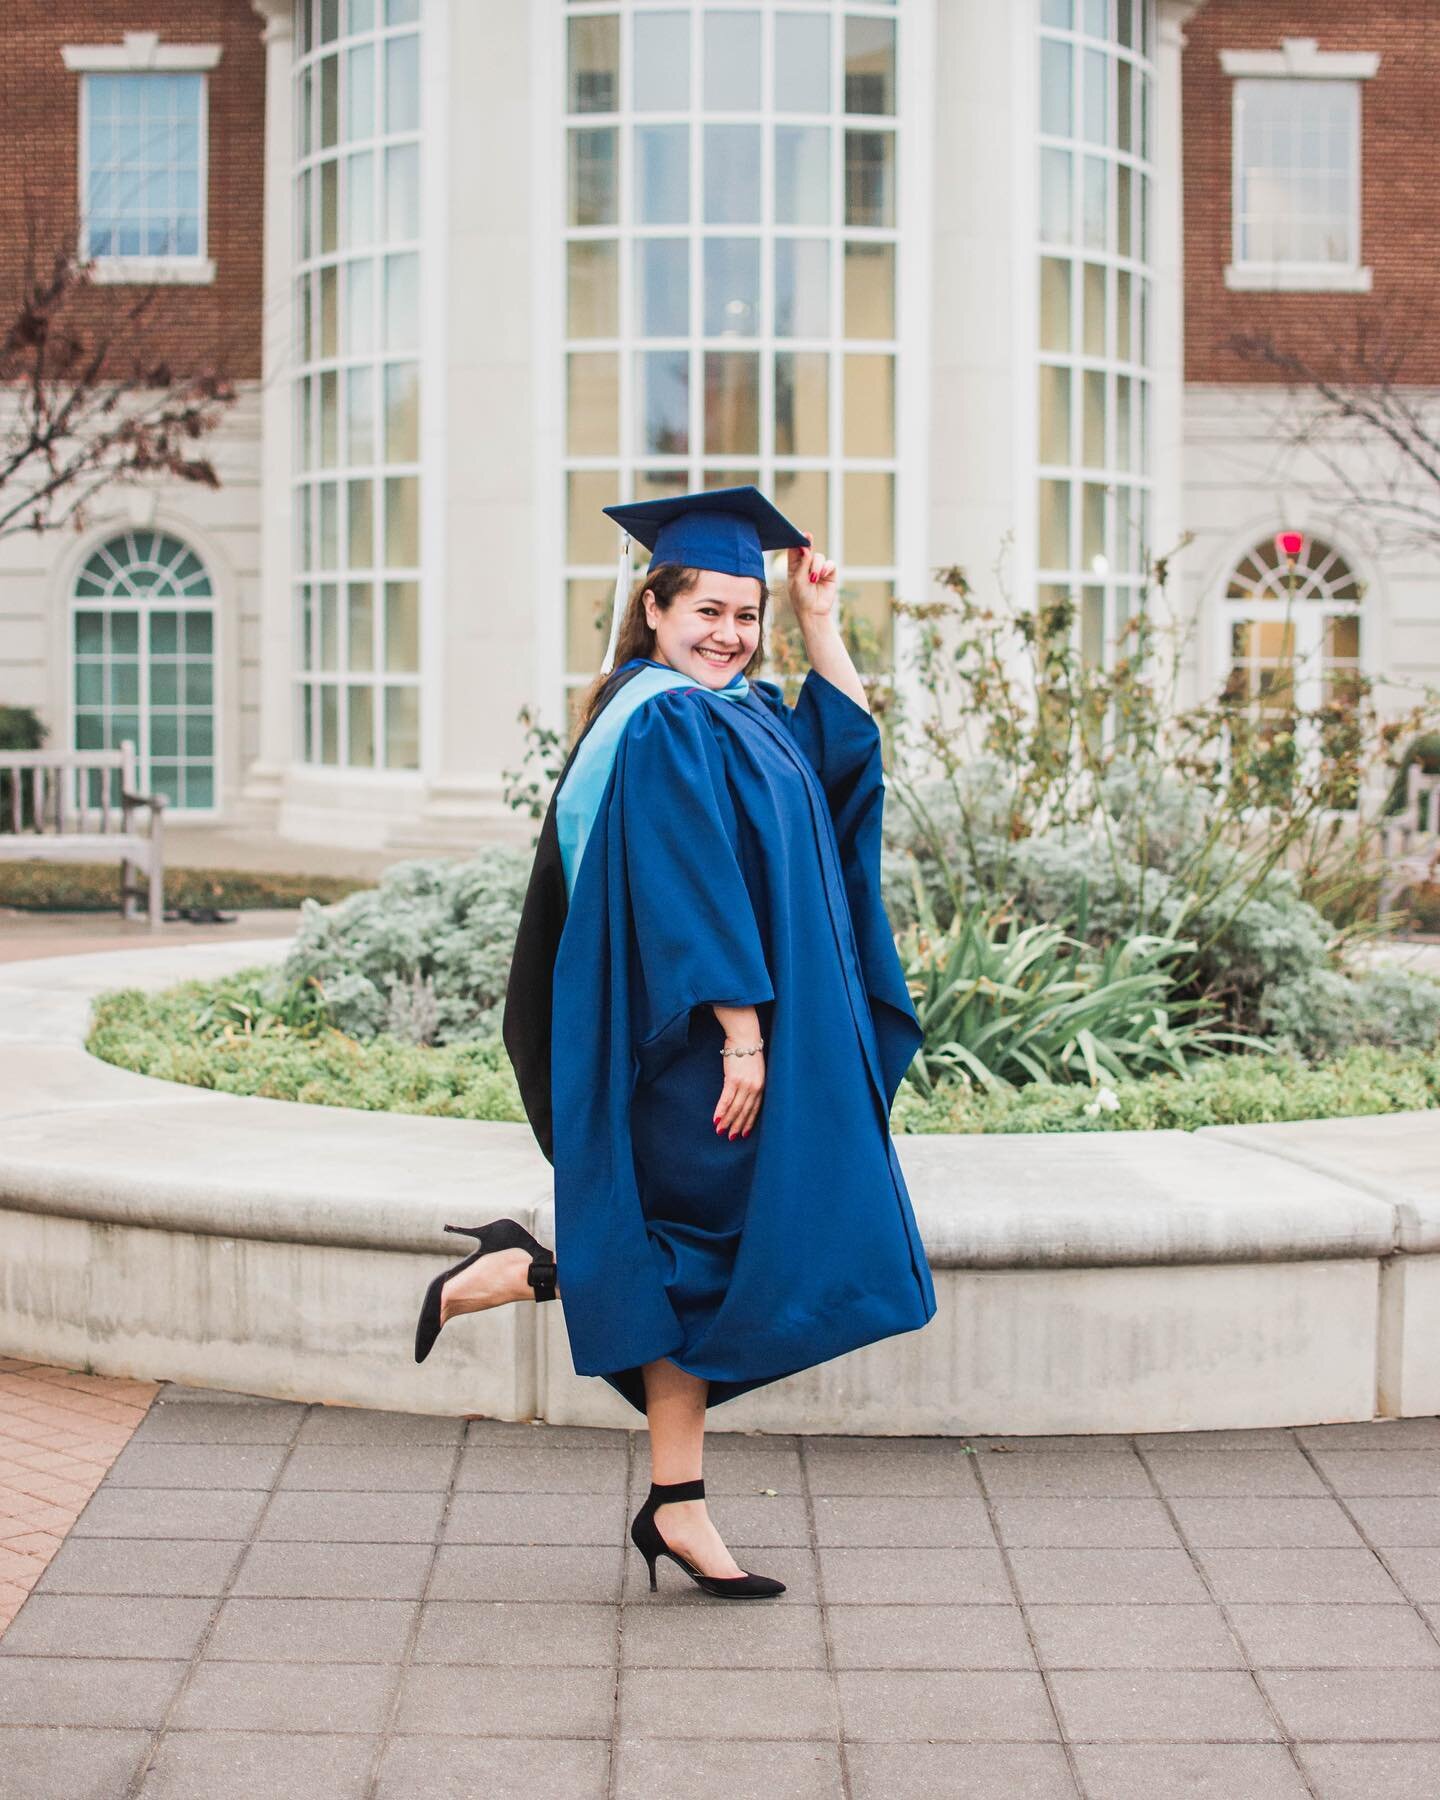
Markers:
(750, 1052)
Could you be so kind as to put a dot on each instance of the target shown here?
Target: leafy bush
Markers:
(21, 728)
(424, 956)
(200, 1034)
(1322, 1014)
(92, 887)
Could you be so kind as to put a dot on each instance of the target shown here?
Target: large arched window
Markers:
(1293, 627)
(731, 278)
(143, 645)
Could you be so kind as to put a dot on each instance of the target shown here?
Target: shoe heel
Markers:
(650, 1561)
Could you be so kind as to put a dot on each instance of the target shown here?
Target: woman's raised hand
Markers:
(813, 584)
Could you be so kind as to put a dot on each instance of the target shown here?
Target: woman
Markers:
(706, 887)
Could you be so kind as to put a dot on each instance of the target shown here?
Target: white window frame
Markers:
(1297, 59)
(141, 52)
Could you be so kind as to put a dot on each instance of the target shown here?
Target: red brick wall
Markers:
(1399, 200)
(218, 324)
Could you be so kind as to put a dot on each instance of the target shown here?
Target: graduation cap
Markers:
(724, 529)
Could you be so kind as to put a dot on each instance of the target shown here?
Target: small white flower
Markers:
(1107, 1100)
(1091, 1110)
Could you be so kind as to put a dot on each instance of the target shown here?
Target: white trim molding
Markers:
(1296, 278)
(140, 50)
(157, 271)
(1300, 57)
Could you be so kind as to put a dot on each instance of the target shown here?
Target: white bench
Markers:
(1411, 840)
(68, 806)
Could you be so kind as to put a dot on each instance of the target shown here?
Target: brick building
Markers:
(956, 282)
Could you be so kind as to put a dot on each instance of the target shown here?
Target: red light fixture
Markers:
(1289, 543)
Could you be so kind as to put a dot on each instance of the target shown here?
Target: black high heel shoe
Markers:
(645, 1535)
(499, 1234)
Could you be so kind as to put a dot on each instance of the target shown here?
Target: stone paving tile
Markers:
(369, 1468)
(927, 1637)
(352, 1518)
(733, 1770)
(899, 1576)
(353, 1425)
(1194, 1771)
(1205, 1443)
(1417, 1571)
(1401, 1523)
(511, 1572)
(1336, 1636)
(857, 1473)
(1354, 1705)
(1091, 1475)
(1249, 1524)
(1134, 1637)
(727, 1703)
(1258, 1474)
(491, 1518)
(973, 1771)
(1045, 1521)
(1078, 1575)
(525, 1470)
(734, 1637)
(264, 1422)
(906, 1523)
(225, 1466)
(98, 1763)
(221, 1764)
(1161, 1706)
(1372, 1771)
(158, 1513)
(107, 1625)
(306, 1631)
(45, 1690)
(334, 1571)
(964, 1706)
(1376, 1472)
(1373, 1434)
(521, 1633)
(141, 1566)
(528, 1702)
(242, 1696)
(1296, 1575)
(986, 1447)
(450, 1768)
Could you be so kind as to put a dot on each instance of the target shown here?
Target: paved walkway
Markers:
(24, 935)
(266, 1600)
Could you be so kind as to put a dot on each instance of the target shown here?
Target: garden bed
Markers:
(157, 1035)
(95, 887)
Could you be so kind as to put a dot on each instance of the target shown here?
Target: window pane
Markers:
(593, 289)
(360, 637)
(1055, 88)
(869, 291)
(1055, 207)
(802, 287)
(360, 550)
(732, 287)
(662, 278)
(359, 307)
(360, 416)
(402, 521)
(590, 536)
(360, 720)
(869, 406)
(402, 192)
(1094, 309)
(402, 627)
(1054, 304)
(592, 397)
(402, 83)
(663, 391)
(360, 92)
(1096, 71)
(329, 628)
(1054, 523)
(1093, 449)
(402, 728)
(661, 62)
(1094, 207)
(732, 61)
(1092, 520)
(402, 412)
(802, 403)
(869, 178)
(592, 177)
(869, 518)
(359, 220)
(662, 174)
(329, 419)
(802, 175)
(802, 62)
(587, 623)
(732, 174)
(1054, 414)
(594, 68)
(732, 403)
(803, 495)
(869, 65)
(329, 207)
(402, 302)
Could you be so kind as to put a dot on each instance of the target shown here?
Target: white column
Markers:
(1167, 414)
(263, 780)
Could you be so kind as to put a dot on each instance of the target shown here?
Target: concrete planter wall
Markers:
(1267, 1275)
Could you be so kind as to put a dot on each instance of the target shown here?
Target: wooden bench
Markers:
(80, 806)
(1411, 840)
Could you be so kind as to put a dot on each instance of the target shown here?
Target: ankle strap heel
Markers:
(648, 1539)
(661, 1493)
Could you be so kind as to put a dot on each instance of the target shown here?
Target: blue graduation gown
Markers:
(734, 858)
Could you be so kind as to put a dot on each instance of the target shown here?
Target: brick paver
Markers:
(59, 1432)
(265, 1599)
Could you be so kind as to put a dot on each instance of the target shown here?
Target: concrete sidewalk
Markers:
(274, 1600)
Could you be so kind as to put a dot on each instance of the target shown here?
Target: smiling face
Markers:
(711, 632)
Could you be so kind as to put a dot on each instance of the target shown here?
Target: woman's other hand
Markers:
(739, 1104)
(813, 584)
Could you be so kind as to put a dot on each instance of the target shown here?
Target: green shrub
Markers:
(94, 887)
(21, 728)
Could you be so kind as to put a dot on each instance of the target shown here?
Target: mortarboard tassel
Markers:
(622, 583)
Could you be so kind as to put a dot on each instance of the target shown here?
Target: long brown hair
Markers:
(636, 636)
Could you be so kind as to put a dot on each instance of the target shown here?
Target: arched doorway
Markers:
(143, 662)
